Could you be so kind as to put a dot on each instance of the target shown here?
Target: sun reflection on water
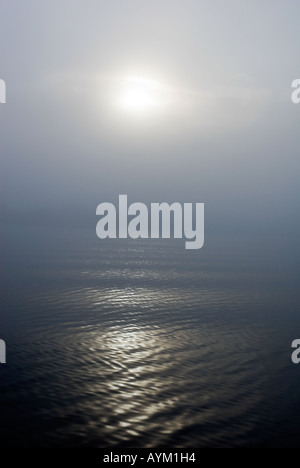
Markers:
(146, 363)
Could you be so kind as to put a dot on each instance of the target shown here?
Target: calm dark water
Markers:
(145, 344)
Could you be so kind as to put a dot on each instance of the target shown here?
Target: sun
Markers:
(140, 95)
(137, 99)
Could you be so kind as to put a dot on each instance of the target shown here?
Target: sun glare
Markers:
(141, 95)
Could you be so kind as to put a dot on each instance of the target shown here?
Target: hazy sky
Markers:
(222, 129)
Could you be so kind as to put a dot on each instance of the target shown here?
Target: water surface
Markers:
(144, 344)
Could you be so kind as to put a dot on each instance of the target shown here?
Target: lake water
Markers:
(145, 344)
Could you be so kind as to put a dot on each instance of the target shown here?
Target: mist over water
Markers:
(143, 343)
(139, 343)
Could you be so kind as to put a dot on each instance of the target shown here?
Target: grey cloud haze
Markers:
(228, 134)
